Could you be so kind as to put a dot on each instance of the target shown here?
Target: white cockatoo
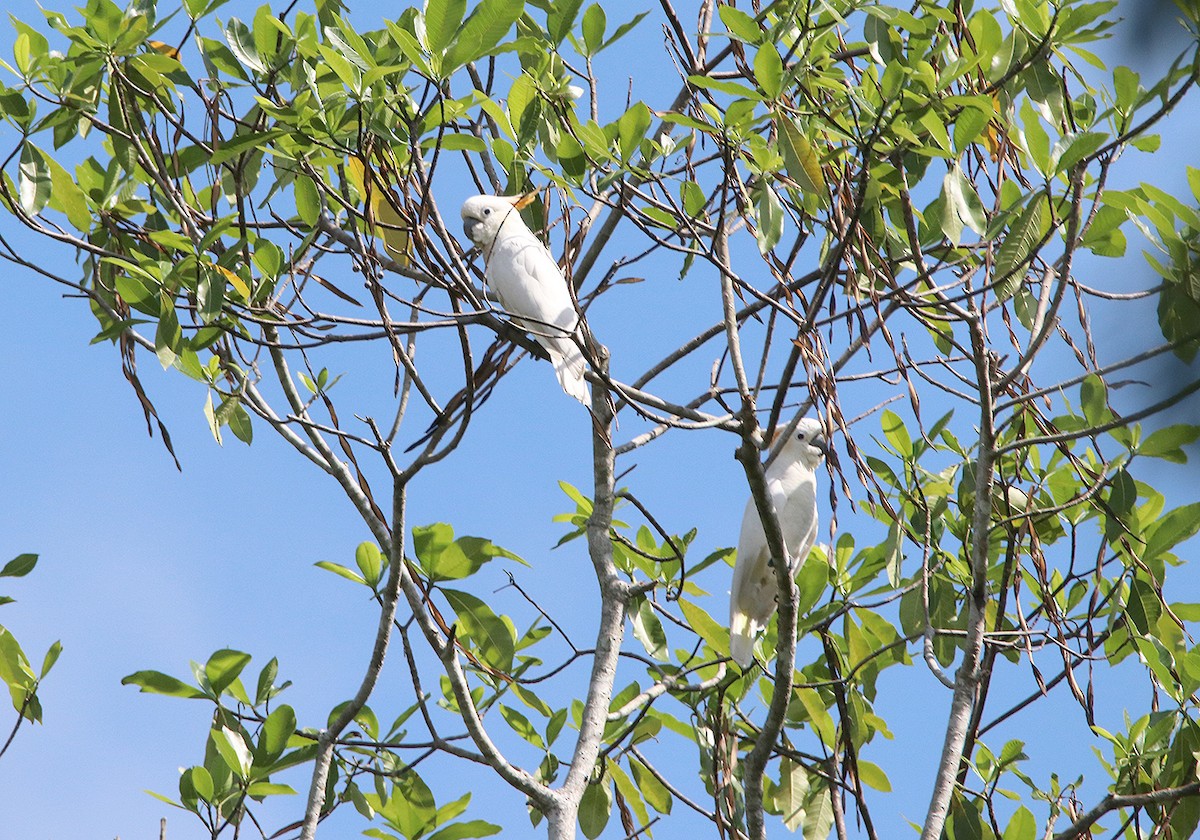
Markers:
(524, 276)
(792, 489)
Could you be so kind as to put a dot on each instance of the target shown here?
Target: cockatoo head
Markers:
(806, 443)
(484, 215)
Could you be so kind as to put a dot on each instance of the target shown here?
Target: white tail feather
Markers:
(741, 639)
(569, 367)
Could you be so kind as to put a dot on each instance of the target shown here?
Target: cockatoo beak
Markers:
(469, 226)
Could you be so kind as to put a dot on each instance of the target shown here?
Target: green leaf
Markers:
(873, 776)
(492, 637)
(419, 810)
(482, 31)
(1172, 529)
(370, 562)
(15, 670)
(1022, 825)
(168, 335)
(241, 42)
(239, 423)
(740, 25)
(626, 788)
(521, 725)
(1143, 607)
(279, 726)
(464, 830)
(156, 682)
(338, 569)
(261, 789)
(818, 817)
(770, 217)
(201, 781)
(1018, 246)
(968, 125)
(791, 793)
(231, 746)
(244, 143)
(33, 178)
(631, 129)
(457, 143)
(800, 159)
(624, 28)
(583, 502)
(896, 432)
(1073, 148)
(266, 682)
(443, 558)
(19, 566)
(961, 206)
(1166, 443)
(653, 791)
(52, 654)
(442, 20)
(1094, 398)
(66, 195)
(308, 200)
(648, 630)
(768, 70)
(223, 667)
(210, 293)
(560, 17)
(705, 627)
(595, 808)
(727, 87)
(430, 541)
(594, 23)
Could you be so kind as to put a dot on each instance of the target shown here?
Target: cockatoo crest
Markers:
(792, 489)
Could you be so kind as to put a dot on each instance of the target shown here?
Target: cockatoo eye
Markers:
(487, 211)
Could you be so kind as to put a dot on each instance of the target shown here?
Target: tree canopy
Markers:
(898, 219)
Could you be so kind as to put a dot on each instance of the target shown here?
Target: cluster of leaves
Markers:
(1077, 558)
(15, 670)
(253, 738)
(250, 739)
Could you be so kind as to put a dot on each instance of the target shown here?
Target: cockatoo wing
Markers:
(752, 594)
(791, 487)
(530, 286)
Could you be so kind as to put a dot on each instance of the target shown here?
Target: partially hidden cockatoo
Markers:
(792, 489)
(524, 276)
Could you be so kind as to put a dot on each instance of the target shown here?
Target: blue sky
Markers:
(146, 567)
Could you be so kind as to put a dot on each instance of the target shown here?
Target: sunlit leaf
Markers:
(482, 31)
(223, 667)
(649, 630)
(156, 682)
(491, 635)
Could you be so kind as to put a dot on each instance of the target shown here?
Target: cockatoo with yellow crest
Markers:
(527, 281)
(792, 490)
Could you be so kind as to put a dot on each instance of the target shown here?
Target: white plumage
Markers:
(524, 276)
(792, 489)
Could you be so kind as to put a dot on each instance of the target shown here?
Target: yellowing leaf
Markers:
(385, 221)
(356, 173)
(239, 285)
(165, 49)
(799, 157)
(394, 229)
